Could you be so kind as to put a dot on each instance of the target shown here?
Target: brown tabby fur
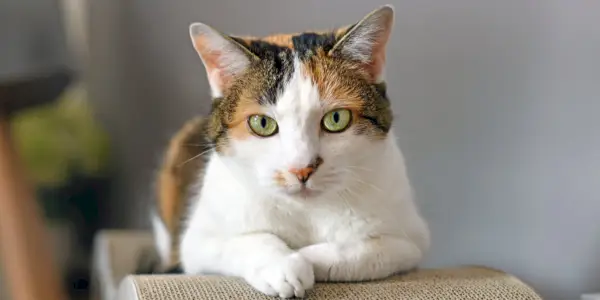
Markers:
(180, 169)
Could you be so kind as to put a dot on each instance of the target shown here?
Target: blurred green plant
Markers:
(60, 139)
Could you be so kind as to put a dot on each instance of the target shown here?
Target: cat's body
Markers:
(304, 180)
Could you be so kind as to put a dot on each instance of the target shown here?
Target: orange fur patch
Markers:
(335, 88)
(170, 197)
(279, 179)
(179, 170)
(238, 128)
(282, 40)
(340, 32)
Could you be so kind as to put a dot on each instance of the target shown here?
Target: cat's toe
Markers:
(300, 274)
(287, 278)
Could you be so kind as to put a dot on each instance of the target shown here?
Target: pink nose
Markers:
(302, 174)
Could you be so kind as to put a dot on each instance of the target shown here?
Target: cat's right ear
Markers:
(223, 58)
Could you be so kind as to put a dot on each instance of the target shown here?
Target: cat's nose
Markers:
(303, 174)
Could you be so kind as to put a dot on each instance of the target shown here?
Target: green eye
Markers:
(337, 120)
(262, 125)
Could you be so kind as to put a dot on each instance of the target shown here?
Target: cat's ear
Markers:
(223, 58)
(366, 41)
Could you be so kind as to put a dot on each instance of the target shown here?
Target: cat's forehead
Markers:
(293, 80)
(300, 95)
(305, 58)
(298, 42)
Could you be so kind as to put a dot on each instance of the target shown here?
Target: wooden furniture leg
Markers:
(27, 262)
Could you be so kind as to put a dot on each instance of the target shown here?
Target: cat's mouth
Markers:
(303, 192)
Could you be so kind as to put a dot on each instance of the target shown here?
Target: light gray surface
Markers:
(496, 105)
(32, 39)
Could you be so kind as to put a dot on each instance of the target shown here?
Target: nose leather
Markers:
(304, 173)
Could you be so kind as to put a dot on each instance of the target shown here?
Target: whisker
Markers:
(345, 199)
(353, 175)
(369, 184)
(360, 168)
(350, 191)
(198, 145)
(194, 157)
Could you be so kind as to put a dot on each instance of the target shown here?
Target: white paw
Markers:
(286, 278)
(323, 257)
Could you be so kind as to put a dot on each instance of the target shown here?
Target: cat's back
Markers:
(182, 168)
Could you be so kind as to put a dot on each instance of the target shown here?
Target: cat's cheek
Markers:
(264, 176)
(336, 147)
(253, 149)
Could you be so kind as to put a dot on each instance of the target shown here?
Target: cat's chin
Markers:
(304, 193)
(301, 193)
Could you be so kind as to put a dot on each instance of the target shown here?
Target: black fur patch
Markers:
(381, 89)
(377, 109)
(262, 49)
(277, 65)
(305, 44)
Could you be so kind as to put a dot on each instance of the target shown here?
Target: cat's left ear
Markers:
(223, 58)
(366, 41)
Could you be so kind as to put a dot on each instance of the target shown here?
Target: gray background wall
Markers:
(496, 105)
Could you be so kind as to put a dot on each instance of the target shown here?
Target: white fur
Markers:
(162, 239)
(362, 222)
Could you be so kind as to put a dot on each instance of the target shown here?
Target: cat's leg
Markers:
(262, 259)
(368, 259)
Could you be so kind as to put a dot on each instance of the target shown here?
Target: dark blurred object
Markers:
(34, 61)
(33, 70)
(16, 94)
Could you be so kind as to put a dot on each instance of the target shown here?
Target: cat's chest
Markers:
(303, 225)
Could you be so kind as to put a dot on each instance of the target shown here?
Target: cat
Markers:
(295, 176)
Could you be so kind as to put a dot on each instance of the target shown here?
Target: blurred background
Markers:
(496, 107)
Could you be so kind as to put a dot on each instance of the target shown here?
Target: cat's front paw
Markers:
(287, 277)
(323, 258)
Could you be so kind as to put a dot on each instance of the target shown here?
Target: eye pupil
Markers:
(262, 125)
(336, 120)
(336, 117)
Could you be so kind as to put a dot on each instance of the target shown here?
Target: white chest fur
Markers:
(378, 203)
(365, 230)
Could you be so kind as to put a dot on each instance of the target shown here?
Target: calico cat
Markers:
(295, 176)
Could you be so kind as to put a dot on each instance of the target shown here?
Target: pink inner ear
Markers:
(383, 21)
(211, 58)
(215, 71)
(376, 66)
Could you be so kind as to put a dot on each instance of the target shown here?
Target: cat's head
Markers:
(299, 113)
